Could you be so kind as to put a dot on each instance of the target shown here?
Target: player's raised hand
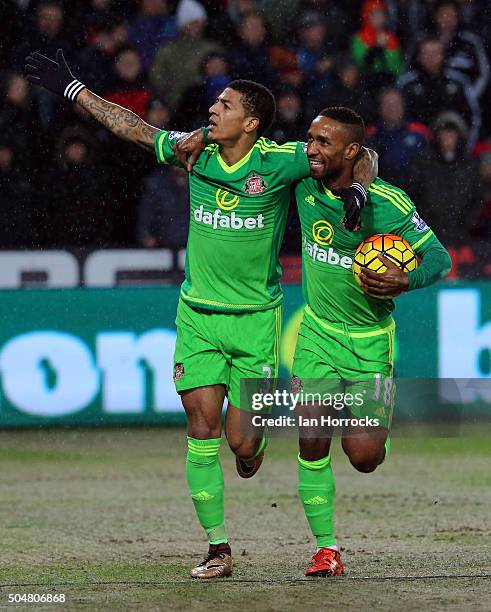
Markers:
(55, 76)
(392, 282)
(354, 199)
(188, 148)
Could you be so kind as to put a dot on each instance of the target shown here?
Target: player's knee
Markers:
(203, 433)
(365, 466)
(363, 462)
(312, 449)
(204, 429)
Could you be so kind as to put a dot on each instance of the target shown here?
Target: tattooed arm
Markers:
(56, 76)
(120, 121)
(366, 167)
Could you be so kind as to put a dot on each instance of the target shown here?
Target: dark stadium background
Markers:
(66, 183)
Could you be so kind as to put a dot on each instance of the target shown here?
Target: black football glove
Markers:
(53, 76)
(354, 199)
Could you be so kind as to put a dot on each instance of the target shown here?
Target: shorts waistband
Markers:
(384, 327)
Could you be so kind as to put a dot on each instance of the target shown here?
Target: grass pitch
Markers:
(104, 517)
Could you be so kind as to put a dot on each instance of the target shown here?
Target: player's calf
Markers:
(244, 448)
(249, 455)
(246, 442)
(364, 447)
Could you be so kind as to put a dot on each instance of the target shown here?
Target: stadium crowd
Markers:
(417, 71)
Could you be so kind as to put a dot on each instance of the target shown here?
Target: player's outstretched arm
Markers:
(120, 121)
(56, 76)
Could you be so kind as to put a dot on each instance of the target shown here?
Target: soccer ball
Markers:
(391, 246)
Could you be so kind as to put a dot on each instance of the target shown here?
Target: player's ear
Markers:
(352, 150)
(251, 124)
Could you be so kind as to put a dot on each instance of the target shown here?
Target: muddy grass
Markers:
(104, 517)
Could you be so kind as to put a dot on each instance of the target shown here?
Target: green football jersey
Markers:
(328, 249)
(237, 222)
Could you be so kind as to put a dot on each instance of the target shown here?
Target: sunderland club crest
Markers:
(178, 371)
(255, 184)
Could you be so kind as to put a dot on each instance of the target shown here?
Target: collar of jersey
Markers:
(237, 165)
(329, 193)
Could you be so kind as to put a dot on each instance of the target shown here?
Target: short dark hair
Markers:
(257, 100)
(351, 120)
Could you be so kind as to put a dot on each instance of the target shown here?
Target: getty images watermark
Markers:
(284, 400)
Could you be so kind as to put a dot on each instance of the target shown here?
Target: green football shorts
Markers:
(216, 348)
(332, 358)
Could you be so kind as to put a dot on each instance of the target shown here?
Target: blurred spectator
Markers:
(18, 119)
(110, 45)
(80, 205)
(93, 64)
(158, 114)
(193, 110)
(289, 123)
(341, 20)
(216, 78)
(285, 63)
(349, 90)
(129, 89)
(347, 12)
(464, 50)
(16, 212)
(177, 65)
(280, 22)
(396, 141)
(223, 24)
(405, 17)
(163, 211)
(98, 14)
(315, 54)
(249, 59)
(444, 182)
(430, 89)
(151, 29)
(375, 48)
(46, 33)
(46, 36)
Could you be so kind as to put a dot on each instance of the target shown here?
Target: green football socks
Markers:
(316, 488)
(205, 482)
(387, 447)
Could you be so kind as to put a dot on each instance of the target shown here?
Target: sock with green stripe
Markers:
(316, 488)
(205, 482)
